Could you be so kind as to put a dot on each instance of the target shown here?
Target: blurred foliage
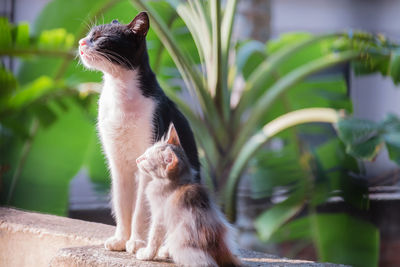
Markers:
(245, 95)
(279, 85)
(48, 109)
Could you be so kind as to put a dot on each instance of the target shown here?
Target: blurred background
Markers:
(307, 193)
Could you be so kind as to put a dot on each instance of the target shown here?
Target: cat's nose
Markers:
(139, 160)
(82, 42)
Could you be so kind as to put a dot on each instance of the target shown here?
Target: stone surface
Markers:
(91, 256)
(34, 239)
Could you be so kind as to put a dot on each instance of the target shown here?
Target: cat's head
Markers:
(112, 47)
(165, 159)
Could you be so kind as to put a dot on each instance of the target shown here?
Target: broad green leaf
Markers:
(31, 92)
(339, 238)
(294, 230)
(393, 146)
(56, 155)
(270, 221)
(261, 137)
(293, 78)
(275, 168)
(362, 137)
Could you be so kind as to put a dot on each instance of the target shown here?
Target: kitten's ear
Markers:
(172, 136)
(140, 24)
(172, 162)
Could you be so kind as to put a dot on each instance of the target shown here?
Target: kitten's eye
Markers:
(95, 36)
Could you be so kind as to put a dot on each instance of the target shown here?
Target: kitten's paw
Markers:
(115, 244)
(163, 253)
(133, 245)
(145, 254)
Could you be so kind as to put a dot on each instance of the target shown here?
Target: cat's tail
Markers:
(222, 254)
(224, 257)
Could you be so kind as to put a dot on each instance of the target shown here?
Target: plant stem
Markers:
(68, 54)
(24, 155)
(158, 58)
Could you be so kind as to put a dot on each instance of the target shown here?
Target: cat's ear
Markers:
(140, 24)
(171, 161)
(172, 136)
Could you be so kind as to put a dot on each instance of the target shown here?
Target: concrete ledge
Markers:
(97, 256)
(33, 239)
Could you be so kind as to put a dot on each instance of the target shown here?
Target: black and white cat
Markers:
(134, 113)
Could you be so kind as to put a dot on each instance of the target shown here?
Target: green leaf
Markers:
(56, 155)
(22, 35)
(343, 239)
(30, 93)
(275, 168)
(8, 84)
(5, 37)
(294, 230)
(261, 137)
(362, 137)
(293, 78)
(250, 54)
(339, 238)
(393, 146)
(270, 221)
(395, 66)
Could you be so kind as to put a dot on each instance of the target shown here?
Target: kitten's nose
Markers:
(82, 42)
(139, 159)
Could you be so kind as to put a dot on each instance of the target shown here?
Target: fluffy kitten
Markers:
(134, 113)
(182, 215)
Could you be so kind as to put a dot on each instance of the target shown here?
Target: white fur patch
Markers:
(125, 126)
(125, 117)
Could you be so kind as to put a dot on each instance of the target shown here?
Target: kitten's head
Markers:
(110, 47)
(165, 159)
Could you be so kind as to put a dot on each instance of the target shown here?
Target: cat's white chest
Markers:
(125, 118)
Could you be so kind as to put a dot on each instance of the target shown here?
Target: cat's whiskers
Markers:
(107, 57)
(85, 21)
(118, 57)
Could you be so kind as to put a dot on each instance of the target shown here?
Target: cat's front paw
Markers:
(115, 244)
(145, 254)
(132, 245)
(163, 253)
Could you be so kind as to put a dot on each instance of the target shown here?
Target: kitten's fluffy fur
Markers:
(182, 215)
(134, 113)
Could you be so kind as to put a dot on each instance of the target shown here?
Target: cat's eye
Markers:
(95, 36)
